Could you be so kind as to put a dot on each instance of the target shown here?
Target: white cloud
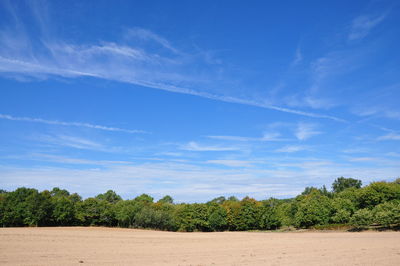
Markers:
(148, 35)
(73, 142)
(362, 25)
(191, 182)
(194, 146)
(74, 124)
(390, 136)
(298, 57)
(131, 60)
(234, 138)
(305, 131)
(362, 159)
(268, 136)
(69, 160)
(356, 150)
(377, 111)
(292, 148)
(231, 163)
(393, 154)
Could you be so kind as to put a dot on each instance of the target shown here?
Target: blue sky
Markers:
(198, 99)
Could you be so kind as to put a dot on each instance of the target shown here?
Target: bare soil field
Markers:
(114, 246)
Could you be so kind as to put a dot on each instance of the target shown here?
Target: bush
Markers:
(361, 218)
(313, 209)
(343, 209)
(377, 193)
(387, 213)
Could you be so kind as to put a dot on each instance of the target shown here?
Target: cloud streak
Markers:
(292, 148)
(194, 146)
(73, 124)
(141, 57)
(390, 136)
(305, 131)
(362, 25)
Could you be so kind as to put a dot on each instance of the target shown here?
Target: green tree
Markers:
(232, 209)
(343, 209)
(57, 192)
(167, 199)
(110, 196)
(144, 198)
(93, 211)
(362, 217)
(269, 218)
(63, 210)
(26, 206)
(377, 193)
(387, 213)
(249, 214)
(192, 217)
(232, 198)
(218, 200)
(313, 209)
(217, 217)
(342, 183)
(125, 212)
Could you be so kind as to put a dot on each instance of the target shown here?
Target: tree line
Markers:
(348, 203)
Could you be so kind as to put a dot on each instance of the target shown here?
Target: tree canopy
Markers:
(348, 203)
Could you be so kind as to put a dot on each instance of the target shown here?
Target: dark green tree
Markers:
(166, 199)
(342, 183)
(313, 209)
(110, 196)
(57, 192)
(362, 218)
(269, 218)
(217, 217)
(377, 193)
(387, 213)
(63, 211)
(218, 200)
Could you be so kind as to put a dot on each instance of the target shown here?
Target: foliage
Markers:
(343, 183)
(166, 199)
(269, 218)
(343, 209)
(387, 213)
(110, 196)
(313, 209)
(362, 217)
(377, 193)
(25, 207)
(377, 204)
(63, 210)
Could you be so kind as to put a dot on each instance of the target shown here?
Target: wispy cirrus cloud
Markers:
(140, 57)
(194, 146)
(73, 124)
(363, 159)
(231, 163)
(298, 57)
(268, 136)
(188, 181)
(146, 35)
(68, 160)
(390, 136)
(362, 25)
(305, 131)
(72, 142)
(292, 148)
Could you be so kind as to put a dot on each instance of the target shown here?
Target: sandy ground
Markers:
(113, 246)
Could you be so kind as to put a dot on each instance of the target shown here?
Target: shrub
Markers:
(361, 218)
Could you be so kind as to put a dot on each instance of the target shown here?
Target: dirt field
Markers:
(112, 246)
